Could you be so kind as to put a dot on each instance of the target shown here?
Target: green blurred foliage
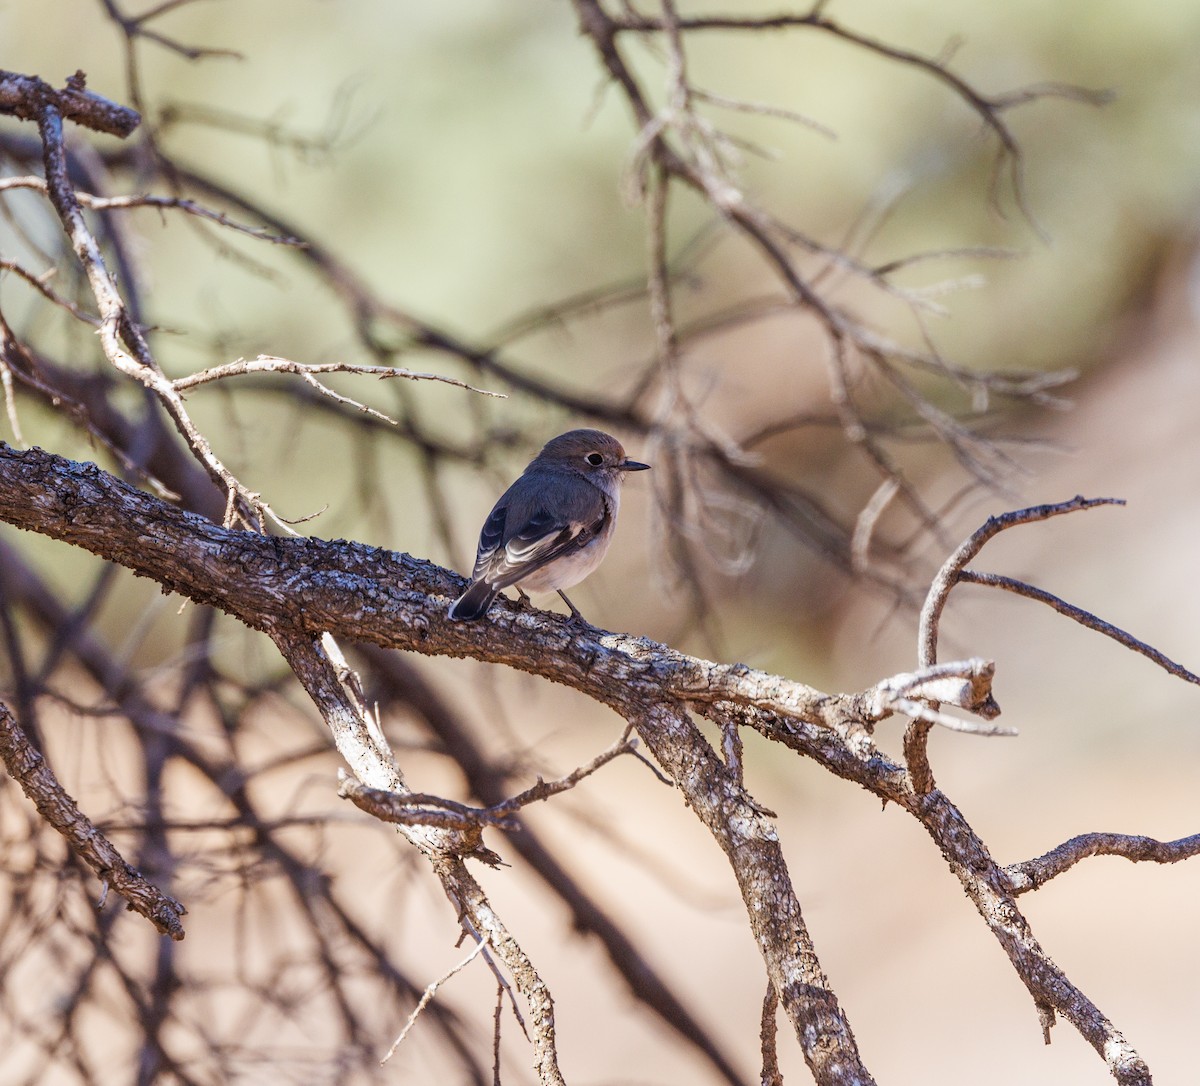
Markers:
(471, 174)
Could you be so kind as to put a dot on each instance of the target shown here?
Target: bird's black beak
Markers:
(634, 465)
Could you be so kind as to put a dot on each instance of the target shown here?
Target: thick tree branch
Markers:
(302, 591)
(318, 904)
(751, 844)
(843, 751)
(260, 582)
(298, 588)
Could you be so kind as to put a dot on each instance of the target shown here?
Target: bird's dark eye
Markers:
(595, 459)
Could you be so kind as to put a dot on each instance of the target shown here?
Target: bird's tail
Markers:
(473, 603)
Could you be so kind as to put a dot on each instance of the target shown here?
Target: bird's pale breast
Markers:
(569, 570)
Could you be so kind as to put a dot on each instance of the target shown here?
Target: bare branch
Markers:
(418, 809)
(487, 779)
(25, 96)
(1084, 618)
(964, 683)
(916, 738)
(301, 592)
(648, 683)
(365, 750)
(117, 329)
(134, 27)
(1032, 874)
(29, 769)
(430, 992)
(950, 573)
(273, 364)
(989, 110)
(763, 109)
(543, 790)
(38, 282)
(127, 203)
(18, 362)
(771, 1075)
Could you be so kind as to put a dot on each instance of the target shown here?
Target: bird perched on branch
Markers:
(552, 527)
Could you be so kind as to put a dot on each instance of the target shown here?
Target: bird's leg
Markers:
(523, 597)
(575, 615)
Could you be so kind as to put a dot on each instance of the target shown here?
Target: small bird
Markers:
(552, 527)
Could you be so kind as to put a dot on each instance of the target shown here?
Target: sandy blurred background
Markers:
(471, 174)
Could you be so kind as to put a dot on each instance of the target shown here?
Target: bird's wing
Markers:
(521, 535)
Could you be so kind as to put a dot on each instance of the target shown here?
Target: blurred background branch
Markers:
(757, 253)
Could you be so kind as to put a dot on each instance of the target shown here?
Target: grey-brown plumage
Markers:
(552, 527)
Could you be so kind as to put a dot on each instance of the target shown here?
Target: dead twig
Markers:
(1084, 618)
(29, 769)
(916, 737)
(128, 203)
(430, 992)
(1032, 874)
(25, 96)
(308, 371)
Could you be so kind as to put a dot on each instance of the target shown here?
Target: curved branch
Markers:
(916, 737)
(842, 749)
(358, 741)
(401, 681)
(1032, 874)
(117, 329)
(297, 588)
(951, 572)
(1084, 618)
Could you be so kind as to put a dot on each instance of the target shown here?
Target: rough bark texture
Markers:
(299, 589)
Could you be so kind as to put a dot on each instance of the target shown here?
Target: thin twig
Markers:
(430, 992)
(497, 1015)
(950, 573)
(38, 282)
(767, 1033)
(866, 521)
(1084, 618)
(127, 203)
(420, 809)
(118, 331)
(10, 402)
(272, 364)
(627, 744)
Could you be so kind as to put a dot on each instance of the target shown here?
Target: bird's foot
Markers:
(576, 618)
